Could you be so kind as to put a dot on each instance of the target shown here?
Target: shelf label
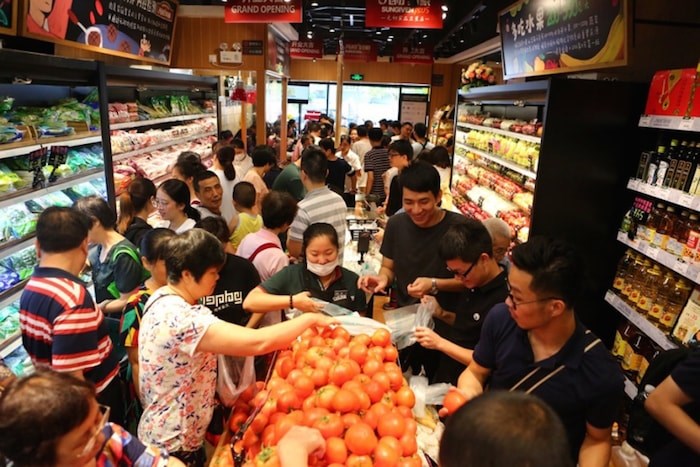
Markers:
(653, 253)
(680, 267)
(645, 120)
(686, 124)
(686, 200)
(633, 184)
(642, 247)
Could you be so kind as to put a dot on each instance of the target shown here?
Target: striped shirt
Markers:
(377, 161)
(63, 329)
(320, 205)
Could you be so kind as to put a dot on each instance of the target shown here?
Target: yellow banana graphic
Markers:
(613, 45)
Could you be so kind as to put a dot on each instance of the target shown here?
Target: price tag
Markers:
(686, 124)
(645, 120)
(686, 200)
(680, 267)
(609, 297)
(633, 184)
(653, 253)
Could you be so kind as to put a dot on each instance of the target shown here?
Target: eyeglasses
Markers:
(98, 429)
(159, 203)
(463, 275)
(516, 304)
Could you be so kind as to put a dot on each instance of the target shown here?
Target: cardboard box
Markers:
(670, 92)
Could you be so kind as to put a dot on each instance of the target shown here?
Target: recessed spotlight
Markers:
(331, 30)
(445, 8)
(379, 33)
(389, 39)
(461, 41)
(444, 15)
(314, 4)
(425, 36)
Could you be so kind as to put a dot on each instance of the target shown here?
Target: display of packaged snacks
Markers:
(8, 277)
(9, 321)
(19, 362)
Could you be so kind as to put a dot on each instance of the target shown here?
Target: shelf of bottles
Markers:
(495, 169)
(656, 284)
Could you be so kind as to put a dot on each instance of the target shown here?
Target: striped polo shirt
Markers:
(377, 161)
(63, 329)
(320, 205)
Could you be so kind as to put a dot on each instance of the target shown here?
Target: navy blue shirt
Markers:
(587, 390)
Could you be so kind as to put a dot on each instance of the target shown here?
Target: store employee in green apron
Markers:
(319, 276)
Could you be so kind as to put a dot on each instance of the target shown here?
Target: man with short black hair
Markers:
(338, 168)
(400, 153)
(210, 193)
(421, 141)
(314, 130)
(534, 343)
(61, 326)
(405, 131)
(263, 160)
(376, 164)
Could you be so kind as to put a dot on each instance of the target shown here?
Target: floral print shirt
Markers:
(123, 450)
(177, 382)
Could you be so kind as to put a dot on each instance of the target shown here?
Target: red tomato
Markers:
(267, 458)
(392, 442)
(453, 401)
(268, 435)
(341, 332)
(391, 424)
(381, 337)
(365, 401)
(284, 366)
(362, 339)
(344, 352)
(259, 398)
(338, 343)
(330, 425)
(405, 412)
(408, 444)
(391, 354)
(259, 423)
(318, 341)
(324, 363)
(288, 401)
(274, 417)
(358, 353)
(380, 409)
(336, 450)
(309, 403)
(405, 397)
(340, 373)
(236, 420)
(319, 377)
(294, 375)
(411, 426)
(350, 419)
(358, 461)
(310, 416)
(412, 461)
(391, 366)
(385, 455)
(383, 379)
(304, 386)
(371, 418)
(362, 379)
(248, 393)
(282, 426)
(345, 401)
(395, 379)
(377, 353)
(324, 396)
(360, 439)
(374, 390)
(371, 367)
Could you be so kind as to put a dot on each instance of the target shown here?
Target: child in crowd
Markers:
(249, 220)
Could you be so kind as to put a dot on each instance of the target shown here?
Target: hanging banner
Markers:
(263, 11)
(540, 37)
(141, 29)
(360, 51)
(277, 53)
(8, 16)
(407, 54)
(423, 14)
(306, 49)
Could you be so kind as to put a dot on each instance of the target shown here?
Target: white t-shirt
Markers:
(418, 147)
(227, 210)
(185, 226)
(242, 163)
(354, 161)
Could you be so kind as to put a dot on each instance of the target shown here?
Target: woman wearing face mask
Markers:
(319, 276)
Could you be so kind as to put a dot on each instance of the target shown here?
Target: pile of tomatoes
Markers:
(349, 388)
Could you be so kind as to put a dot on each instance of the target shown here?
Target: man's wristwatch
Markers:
(434, 288)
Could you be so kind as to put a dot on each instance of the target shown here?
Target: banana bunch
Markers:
(610, 51)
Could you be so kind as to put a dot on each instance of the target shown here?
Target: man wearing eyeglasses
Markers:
(534, 343)
(467, 251)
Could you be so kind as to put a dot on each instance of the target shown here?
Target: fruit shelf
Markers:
(158, 121)
(667, 122)
(62, 183)
(671, 195)
(137, 152)
(499, 160)
(25, 147)
(651, 331)
(688, 270)
(498, 131)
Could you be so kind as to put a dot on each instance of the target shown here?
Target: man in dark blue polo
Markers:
(534, 343)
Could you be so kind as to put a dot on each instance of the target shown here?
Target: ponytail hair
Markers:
(134, 200)
(192, 213)
(178, 191)
(225, 157)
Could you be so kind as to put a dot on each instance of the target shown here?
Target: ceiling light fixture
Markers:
(389, 39)
(425, 36)
(445, 8)
(379, 33)
(314, 4)
(331, 30)
(444, 15)
(352, 20)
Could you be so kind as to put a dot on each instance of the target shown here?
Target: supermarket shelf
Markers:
(23, 195)
(18, 246)
(688, 270)
(671, 195)
(158, 179)
(165, 144)
(651, 331)
(25, 147)
(499, 160)
(10, 298)
(630, 388)
(158, 121)
(667, 122)
(498, 131)
(10, 344)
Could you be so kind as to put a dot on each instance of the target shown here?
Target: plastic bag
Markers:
(404, 321)
(356, 324)
(426, 394)
(235, 375)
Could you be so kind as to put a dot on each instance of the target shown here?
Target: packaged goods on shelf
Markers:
(687, 328)
(125, 141)
(9, 321)
(19, 362)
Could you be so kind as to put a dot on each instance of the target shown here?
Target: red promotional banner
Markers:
(360, 51)
(423, 14)
(406, 54)
(306, 49)
(263, 11)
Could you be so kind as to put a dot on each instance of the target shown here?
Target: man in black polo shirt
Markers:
(534, 343)
(467, 250)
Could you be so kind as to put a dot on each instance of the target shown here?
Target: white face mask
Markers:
(322, 270)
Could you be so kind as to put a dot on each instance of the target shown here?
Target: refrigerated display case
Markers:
(551, 158)
(51, 153)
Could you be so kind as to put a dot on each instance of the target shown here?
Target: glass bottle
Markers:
(679, 235)
(625, 263)
(622, 334)
(654, 220)
(630, 277)
(649, 287)
(662, 169)
(649, 353)
(691, 244)
(633, 356)
(675, 304)
(637, 281)
(673, 163)
(656, 311)
(665, 229)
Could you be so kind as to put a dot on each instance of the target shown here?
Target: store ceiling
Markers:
(467, 23)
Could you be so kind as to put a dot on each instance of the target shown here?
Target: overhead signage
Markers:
(423, 14)
(263, 11)
(141, 29)
(253, 47)
(420, 55)
(359, 51)
(540, 37)
(306, 49)
(8, 16)
(357, 77)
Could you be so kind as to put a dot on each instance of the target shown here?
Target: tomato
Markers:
(309, 403)
(362, 339)
(329, 425)
(341, 332)
(392, 442)
(360, 439)
(353, 385)
(340, 373)
(359, 461)
(391, 366)
(453, 401)
(249, 438)
(383, 379)
(288, 401)
(391, 424)
(248, 393)
(268, 435)
(358, 353)
(304, 386)
(376, 353)
(294, 375)
(380, 409)
(274, 417)
(324, 396)
(395, 379)
(371, 418)
(310, 416)
(284, 366)
(259, 398)
(297, 416)
(412, 461)
(344, 352)
(319, 377)
(318, 341)
(338, 343)
(350, 419)
(270, 406)
(345, 401)
(409, 445)
(267, 458)
(374, 390)
(324, 363)
(371, 367)
(389, 398)
(391, 354)
(405, 412)
(277, 386)
(308, 333)
(259, 423)
(236, 420)
(362, 379)
(386, 455)
(336, 450)
(381, 337)
(405, 397)
(365, 401)
(282, 426)
(411, 426)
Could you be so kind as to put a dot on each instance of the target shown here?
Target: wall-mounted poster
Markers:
(540, 37)
(141, 29)
(8, 16)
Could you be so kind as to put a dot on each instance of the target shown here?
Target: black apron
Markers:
(333, 294)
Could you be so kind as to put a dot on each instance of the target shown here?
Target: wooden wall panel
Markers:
(374, 72)
(445, 94)
(73, 52)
